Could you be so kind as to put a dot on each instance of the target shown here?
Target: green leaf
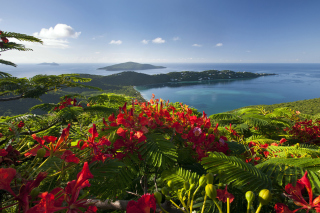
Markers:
(232, 169)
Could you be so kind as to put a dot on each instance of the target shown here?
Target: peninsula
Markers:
(51, 64)
(130, 66)
(131, 78)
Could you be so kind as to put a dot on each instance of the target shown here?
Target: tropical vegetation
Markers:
(113, 153)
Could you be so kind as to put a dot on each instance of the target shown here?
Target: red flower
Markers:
(282, 208)
(6, 176)
(222, 195)
(294, 192)
(283, 140)
(53, 148)
(3, 152)
(73, 189)
(46, 204)
(25, 190)
(143, 205)
(21, 124)
(68, 156)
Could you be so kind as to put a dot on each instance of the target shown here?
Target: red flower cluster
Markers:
(132, 128)
(4, 39)
(53, 201)
(99, 149)
(306, 131)
(67, 102)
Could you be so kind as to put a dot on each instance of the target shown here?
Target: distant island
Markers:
(130, 66)
(51, 64)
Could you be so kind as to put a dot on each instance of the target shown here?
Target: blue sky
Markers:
(166, 31)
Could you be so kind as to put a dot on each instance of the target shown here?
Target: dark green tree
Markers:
(16, 88)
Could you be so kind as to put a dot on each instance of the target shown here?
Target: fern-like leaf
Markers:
(178, 176)
(111, 178)
(158, 152)
(287, 170)
(232, 169)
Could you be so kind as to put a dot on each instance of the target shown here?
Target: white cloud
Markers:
(197, 45)
(55, 37)
(145, 41)
(219, 45)
(97, 52)
(59, 31)
(176, 38)
(116, 42)
(158, 40)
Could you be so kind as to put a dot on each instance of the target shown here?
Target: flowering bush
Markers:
(136, 148)
(307, 131)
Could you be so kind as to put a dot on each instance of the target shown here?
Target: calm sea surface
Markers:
(293, 82)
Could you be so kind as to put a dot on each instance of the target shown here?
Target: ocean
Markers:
(293, 82)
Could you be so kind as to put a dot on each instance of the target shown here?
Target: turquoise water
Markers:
(293, 82)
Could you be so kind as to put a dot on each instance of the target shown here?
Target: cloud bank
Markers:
(197, 45)
(219, 45)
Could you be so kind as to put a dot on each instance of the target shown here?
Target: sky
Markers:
(165, 31)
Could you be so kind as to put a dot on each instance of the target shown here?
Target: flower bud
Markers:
(165, 190)
(192, 187)
(158, 196)
(211, 191)
(265, 196)
(249, 196)
(170, 183)
(186, 185)
(192, 180)
(35, 192)
(209, 178)
(41, 153)
(202, 180)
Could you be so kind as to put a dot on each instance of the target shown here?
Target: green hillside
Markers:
(130, 66)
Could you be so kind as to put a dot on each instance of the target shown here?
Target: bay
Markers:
(293, 82)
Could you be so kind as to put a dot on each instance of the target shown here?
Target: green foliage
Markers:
(284, 151)
(159, 152)
(178, 176)
(306, 107)
(288, 170)
(232, 169)
(111, 178)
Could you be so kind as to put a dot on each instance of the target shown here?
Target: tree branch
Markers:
(11, 98)
(122, 205)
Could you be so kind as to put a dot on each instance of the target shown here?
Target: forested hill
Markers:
(130, 66)
(130, 78)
